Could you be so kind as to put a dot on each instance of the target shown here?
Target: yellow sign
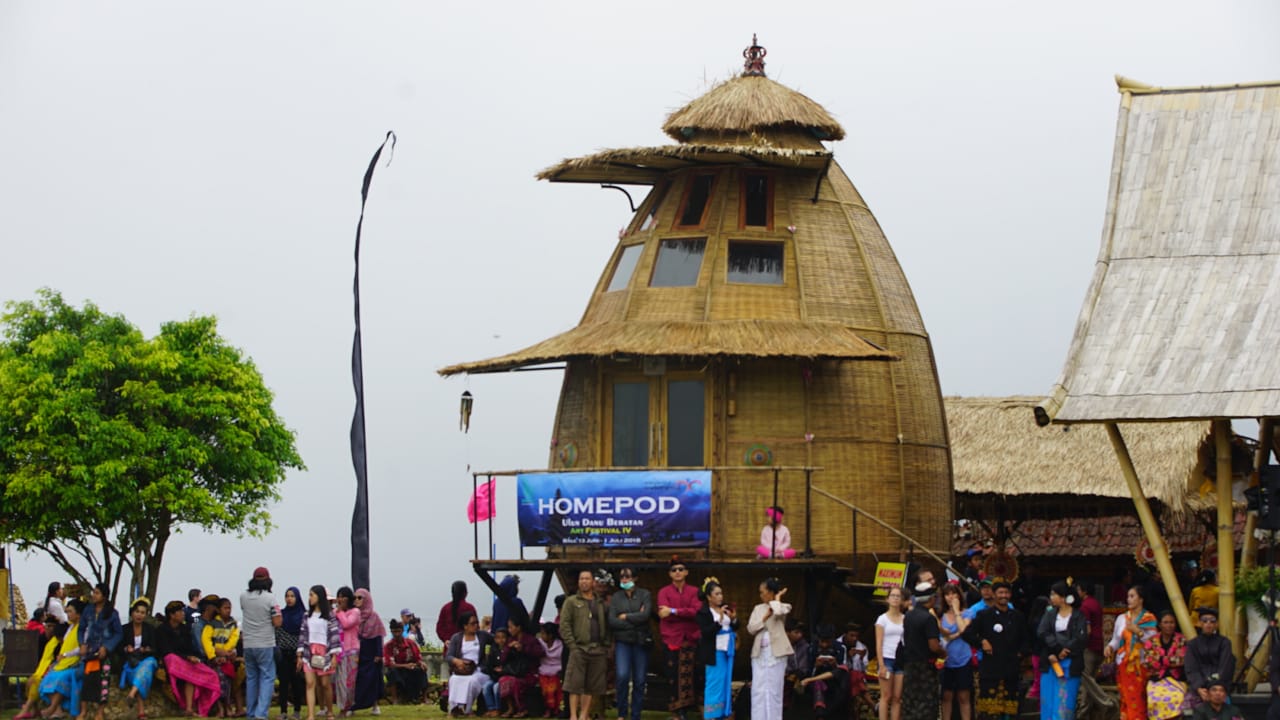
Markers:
(889, 575)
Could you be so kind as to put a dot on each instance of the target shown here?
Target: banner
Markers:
(889, 575)
(658, 508)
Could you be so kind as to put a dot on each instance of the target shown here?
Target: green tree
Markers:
(111, 442)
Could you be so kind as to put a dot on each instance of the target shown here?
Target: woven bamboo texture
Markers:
(1182, 317)
(831, 367)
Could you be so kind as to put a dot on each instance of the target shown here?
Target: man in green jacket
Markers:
(584, 628)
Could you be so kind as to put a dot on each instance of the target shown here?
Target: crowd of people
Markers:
(937, 650)
(309, 651)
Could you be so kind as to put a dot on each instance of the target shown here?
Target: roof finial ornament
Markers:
(755, 59)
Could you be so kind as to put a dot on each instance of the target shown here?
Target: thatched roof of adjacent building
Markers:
(1182, 318)
(996, 449)
(740, 338)
(751, 103)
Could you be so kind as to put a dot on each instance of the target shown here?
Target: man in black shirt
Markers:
(1002, 633)
(1208, 654)
(920, 647)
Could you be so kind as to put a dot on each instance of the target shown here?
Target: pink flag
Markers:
(481, 506)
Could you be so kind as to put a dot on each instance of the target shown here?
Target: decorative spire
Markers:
(755, 59)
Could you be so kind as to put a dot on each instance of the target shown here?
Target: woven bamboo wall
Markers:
(879, 427)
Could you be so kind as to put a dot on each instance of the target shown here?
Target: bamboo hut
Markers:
(1182, 317)
(753, 315)
(1056, 495)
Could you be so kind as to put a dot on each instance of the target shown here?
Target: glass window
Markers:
(651, 212)
(626, 265)
(678, 264)
(686, 422)
(757, 263)
(696, 196)
(756, 198)
(630, 424)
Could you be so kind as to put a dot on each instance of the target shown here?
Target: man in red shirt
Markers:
(677, 605)
(1092, 610)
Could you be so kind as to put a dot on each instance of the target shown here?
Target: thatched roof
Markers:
(751, 103)
(1182, 318)
(997, 449)
(647, 165)
(742, 338)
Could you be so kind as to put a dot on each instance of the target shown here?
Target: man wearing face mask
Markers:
(630, 610)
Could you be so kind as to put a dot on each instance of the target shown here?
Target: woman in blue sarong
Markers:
(61, 685)
(1063, 637)
(138, 649)
(717, 623)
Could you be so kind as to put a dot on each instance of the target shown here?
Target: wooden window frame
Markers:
(657, 254)
(684, 199)
(742, 194)
(656, 196)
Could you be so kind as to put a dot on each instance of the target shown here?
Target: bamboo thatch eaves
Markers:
(737, 338)
(997, 450)
(648, 165)
(1182, 318)
(753, 103)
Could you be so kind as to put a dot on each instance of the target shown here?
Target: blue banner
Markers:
(658, 508)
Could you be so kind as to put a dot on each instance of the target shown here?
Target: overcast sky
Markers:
(164, 159)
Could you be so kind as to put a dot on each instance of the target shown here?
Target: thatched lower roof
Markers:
(752, 103)
(647, 165)
(742, 338)
(996, 448)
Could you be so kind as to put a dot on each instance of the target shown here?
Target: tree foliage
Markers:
(110, 442)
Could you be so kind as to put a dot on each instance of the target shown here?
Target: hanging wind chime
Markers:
(464, 412)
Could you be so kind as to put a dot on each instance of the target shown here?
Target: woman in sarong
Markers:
(138, 649)
(1132, 630)
(717, 625)
(1163, 657)
(1063, 635)
(463, 655)
(60, 687)
(344, 677)
(369, 681)
(195, 685)
(520, 661)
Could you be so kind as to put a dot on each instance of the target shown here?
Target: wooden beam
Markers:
(1226, 539)
(1152, 531)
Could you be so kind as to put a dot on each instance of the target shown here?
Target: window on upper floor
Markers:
(624, 268)
(756, 263)
(757, 200)
(679, 263)
(650, 218)
(697, 198)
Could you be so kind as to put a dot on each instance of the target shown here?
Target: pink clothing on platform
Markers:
(775, 542)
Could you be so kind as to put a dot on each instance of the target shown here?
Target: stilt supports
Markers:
(1226, 539)
(1152, 531)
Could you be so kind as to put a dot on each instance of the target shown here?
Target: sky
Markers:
(167, 159)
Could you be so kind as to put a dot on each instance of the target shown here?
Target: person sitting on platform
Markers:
(1216, 705)
(775, 538)
(403, 661)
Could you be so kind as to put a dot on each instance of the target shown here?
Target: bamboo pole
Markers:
(1152, 532)
(1226, 539)
(1249, 549)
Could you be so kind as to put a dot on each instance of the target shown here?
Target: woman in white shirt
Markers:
(466, 647)
(53, 602)
(769, 650)
(888, 636)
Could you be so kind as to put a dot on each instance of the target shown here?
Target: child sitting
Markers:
(549, 667)
(775, 538)
(829, 681)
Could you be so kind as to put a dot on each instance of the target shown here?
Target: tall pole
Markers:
(1152, 531)
(1226, 538)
